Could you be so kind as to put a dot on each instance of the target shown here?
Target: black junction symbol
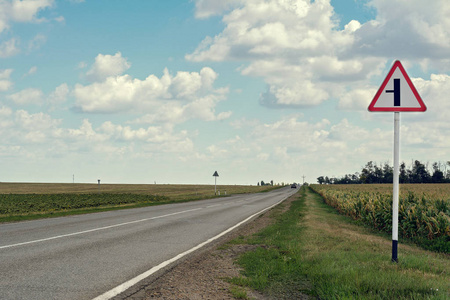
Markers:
(396, 91)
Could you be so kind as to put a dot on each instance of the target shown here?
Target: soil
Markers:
(203, 274)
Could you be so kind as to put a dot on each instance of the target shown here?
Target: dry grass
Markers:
(175, 192)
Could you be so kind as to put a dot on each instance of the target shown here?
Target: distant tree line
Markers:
(266, 183)
(374, 173)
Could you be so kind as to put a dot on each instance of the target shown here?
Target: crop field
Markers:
(19, 201)
(424, 209)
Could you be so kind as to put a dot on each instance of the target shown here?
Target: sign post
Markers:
(215, 182)
(396, 94)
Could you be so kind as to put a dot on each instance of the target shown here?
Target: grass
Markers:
(238, 292)
(312, 250)
(27, 201)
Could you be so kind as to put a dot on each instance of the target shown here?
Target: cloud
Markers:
(208, 8)
(32, 122)
(21, 11)
(292, 144)
(173, 99)
(261, 29)
(27, 96)
(36, 42)
(106, 66)
(26, 11)
(5, 82)
(413, 30)
(357, 98)
(434, 92)
(9, 48)
(306, 59)
(39, 136)
(293, 45)
(59, 95)
(30, 72)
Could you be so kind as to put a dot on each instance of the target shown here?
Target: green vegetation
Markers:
(424, 210)
(25, 201)
(312, 250)
(238, 292)
(21, 206)
(372, 173)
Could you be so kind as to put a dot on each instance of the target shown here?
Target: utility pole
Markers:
(303, 179)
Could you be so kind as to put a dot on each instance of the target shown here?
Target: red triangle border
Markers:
(397, 64)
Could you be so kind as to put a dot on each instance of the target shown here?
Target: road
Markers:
(96, 255)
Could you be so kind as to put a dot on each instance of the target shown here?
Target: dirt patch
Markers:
(203, 275)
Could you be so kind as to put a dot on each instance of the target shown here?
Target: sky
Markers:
(172, 91)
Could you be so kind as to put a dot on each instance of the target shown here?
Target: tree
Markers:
(388, 173)
(404, 178)
(321, 180)
(447, 176)
(438, 175)
(368, 173)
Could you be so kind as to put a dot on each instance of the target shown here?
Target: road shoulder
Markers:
(203, 274)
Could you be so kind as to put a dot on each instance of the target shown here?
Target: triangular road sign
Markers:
(216, 174)
(397, 93)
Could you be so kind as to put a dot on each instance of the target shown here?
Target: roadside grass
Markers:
(29, 201)
(312, 250)
(238, 292)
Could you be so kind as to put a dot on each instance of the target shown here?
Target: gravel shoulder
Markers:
(203, 274)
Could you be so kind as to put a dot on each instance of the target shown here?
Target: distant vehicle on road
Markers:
(293, 186)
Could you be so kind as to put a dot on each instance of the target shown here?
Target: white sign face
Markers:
(397, 93)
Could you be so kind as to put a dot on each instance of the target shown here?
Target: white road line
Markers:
(126, 285)
(214, 205)
(96, 229)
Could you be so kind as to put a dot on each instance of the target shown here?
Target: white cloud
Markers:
(409, 29)
(305, 59)
(172, 99)
(357, 98)
(208, 8)
(303, 93)
(59, 95)
(106, 66)
(27, 96)
(26, 10)
(434, 93)
(32, 70)
(36, 42)
(9, 48)
(32, 122)
(21, 11)
(5, 82)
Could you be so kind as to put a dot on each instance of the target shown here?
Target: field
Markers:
(310, 250)
(21, 201)
(424, 209)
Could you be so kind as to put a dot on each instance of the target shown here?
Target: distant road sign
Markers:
(397, 93)
(216, 174)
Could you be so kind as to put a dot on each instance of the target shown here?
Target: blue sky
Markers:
(171, 91)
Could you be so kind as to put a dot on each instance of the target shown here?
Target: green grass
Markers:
(312, 250)
(238, 292)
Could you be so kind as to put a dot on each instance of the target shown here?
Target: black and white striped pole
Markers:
(396, 94)
(396, 186)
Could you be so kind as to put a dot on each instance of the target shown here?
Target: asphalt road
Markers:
(85, 256)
